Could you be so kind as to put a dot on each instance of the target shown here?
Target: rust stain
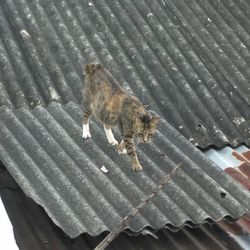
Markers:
(247, 154)
(241, 157)
(241, 174)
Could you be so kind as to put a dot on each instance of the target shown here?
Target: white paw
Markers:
(122, 152)
(113, 142)
(85, 132)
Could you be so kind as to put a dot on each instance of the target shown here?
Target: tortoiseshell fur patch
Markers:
(112, 105)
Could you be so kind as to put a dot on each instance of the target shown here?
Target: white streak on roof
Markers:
(6, 231)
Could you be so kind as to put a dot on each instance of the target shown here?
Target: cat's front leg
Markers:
(130, 147)
(110, 136)
(85, 131)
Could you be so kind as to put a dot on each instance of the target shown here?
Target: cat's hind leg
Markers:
(110, 136)
(87, 111)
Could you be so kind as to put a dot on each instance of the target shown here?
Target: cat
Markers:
(112, 105)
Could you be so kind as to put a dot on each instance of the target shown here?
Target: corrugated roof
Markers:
(227, 156)
(188, 61)
(235, 162)
(46, 155)
(41, 233)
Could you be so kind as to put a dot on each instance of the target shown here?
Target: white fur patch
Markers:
(110, 137)
(122, 152)
(85, 131)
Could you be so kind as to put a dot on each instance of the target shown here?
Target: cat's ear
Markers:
(154, 120)
(144, 118)
(91, 67)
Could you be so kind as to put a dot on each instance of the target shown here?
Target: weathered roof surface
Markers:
(186, 60)
(235, 162)
(46, 155)
(229, 157)
(41, 233)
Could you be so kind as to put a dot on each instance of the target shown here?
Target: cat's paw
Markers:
(121, 148)
(113, 142)
(137, 167)
(85, 132)
(122, 151)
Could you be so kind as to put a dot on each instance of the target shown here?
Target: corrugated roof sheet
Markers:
(41, 233)
(188, 61)
(46, 155)
(235, 162)
(228, 157)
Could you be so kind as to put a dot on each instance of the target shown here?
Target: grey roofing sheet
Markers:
(41, 233)
(46, 155)
(188, 60)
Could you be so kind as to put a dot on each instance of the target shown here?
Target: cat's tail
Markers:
(91, 67)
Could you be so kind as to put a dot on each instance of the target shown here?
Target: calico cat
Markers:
(111, 105)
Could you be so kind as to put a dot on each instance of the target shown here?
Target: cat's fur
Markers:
(110, 104)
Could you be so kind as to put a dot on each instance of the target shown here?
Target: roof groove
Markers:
(40, 72)
(226, 50)
(27, 184)
(9, 76)
(5, 98)
(237, 8)
(233, 25)
(58, 22)
(18, 62)
(208, 8)
(213, 45)
(65, 60)
(48, 179)
(53, 68)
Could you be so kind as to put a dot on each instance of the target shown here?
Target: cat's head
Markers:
(145, 126)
